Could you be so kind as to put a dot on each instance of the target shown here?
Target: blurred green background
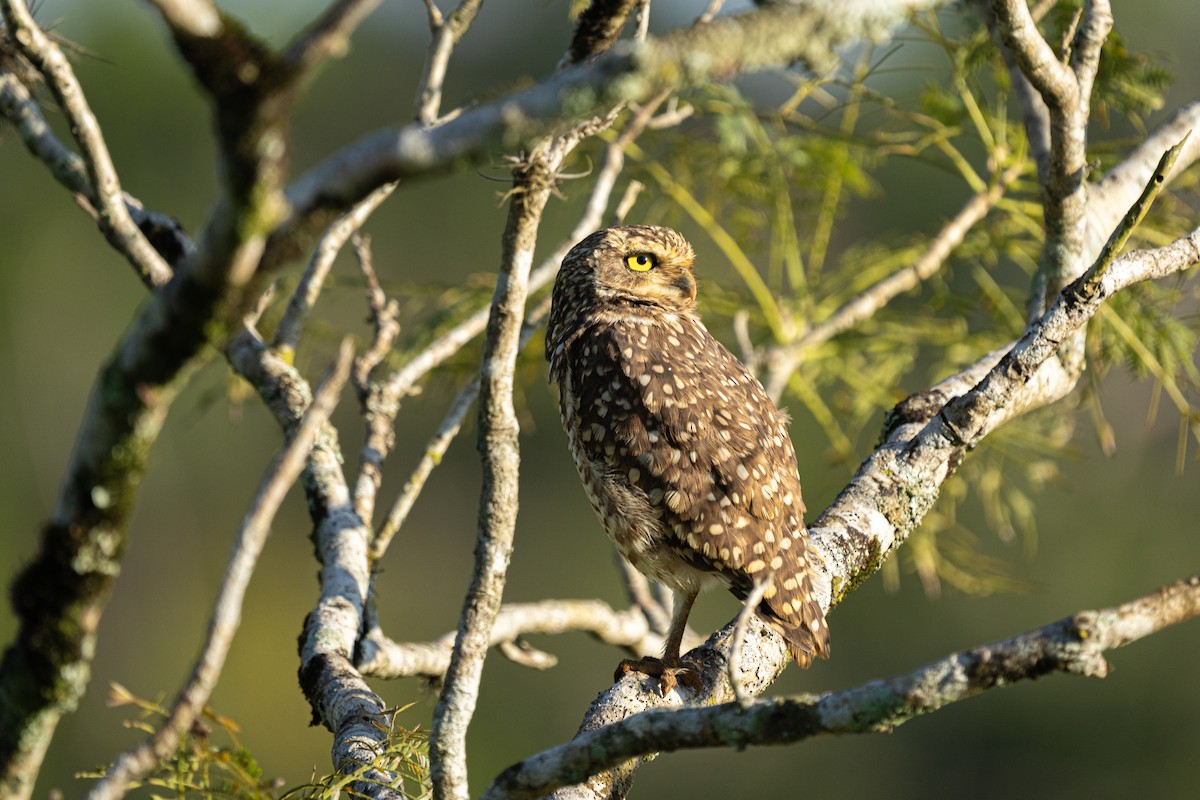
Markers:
(1110, 530)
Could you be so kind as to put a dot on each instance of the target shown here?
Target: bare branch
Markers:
(1110, 196)
(328, 36)
(1074, 645)
(287, 335)
(197, 18)
(113, 218)
(64, 590)
(134, 764)
(19, 107)
(383, 658)
(1066, 92)
(446, 34)
(340, 698)
(380, 438)
(710, 11)
(1034, 114)
(500, 451)
(1037, 60)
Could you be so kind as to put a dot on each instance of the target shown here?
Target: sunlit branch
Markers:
(1075, 645)
(383, 658)
(533, 180)
(136, 763)
(287, 334)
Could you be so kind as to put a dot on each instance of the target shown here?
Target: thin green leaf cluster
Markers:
(212, 762)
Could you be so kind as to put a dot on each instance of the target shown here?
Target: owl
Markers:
(685, 459)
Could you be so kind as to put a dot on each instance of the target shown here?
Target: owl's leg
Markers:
(670, 669)
(682, 607)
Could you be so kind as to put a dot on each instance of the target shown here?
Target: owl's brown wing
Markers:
(689, 425)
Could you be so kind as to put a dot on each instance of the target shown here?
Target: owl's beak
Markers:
(686, 284)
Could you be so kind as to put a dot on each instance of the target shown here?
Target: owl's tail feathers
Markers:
(790, 607)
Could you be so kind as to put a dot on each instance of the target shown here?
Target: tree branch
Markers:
(446, 34)
(328, 36)
(287, 334)
(500, 451)
(1074, 645)
(60, 596)
(384, 658)
(1066, 91)
(113, 217)
(136, 763)
(926, 438)
(629, 72)
(340, 698)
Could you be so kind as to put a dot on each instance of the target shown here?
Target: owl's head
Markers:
(638, 263)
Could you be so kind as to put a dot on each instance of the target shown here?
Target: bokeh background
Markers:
(1110, 529)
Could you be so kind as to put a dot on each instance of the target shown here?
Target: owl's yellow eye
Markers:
(640, 262)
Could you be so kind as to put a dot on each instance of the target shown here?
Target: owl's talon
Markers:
(668, 677)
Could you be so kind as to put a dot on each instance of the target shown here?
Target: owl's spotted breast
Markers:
(684, 457)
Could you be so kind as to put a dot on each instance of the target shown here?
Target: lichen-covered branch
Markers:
(60, 596)
(340, 698)
(383, 658)
(1075, 645)
(136, 763)
(1065, 88)
(533, 184)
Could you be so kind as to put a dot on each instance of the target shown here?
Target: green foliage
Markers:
(211, 762)
(793, 182)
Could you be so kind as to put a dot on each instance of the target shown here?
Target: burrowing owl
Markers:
(685, 459)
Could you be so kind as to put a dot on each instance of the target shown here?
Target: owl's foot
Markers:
(668, 676)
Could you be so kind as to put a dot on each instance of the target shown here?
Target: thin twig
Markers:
(710, 11)
(628, 198)
(20, 108)
(384, 313)
(132, 765)
(447, 32)
(637, 587)
(1137, 212)
(741, 622)
(384, 658)
(114, 219)
(287, 335)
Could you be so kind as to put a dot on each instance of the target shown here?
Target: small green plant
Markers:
(212, 762)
